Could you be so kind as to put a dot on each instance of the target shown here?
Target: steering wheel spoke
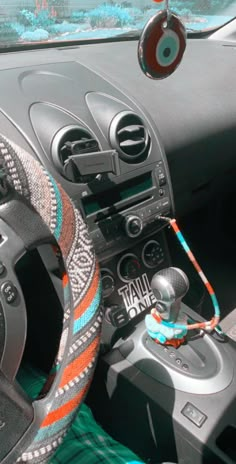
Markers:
(13, 321)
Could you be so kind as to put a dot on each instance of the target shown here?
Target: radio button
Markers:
(162, 179)
(151, 209)
(142, 213)
(165, 204)
(158, 206)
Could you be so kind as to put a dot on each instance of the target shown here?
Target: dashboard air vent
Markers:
(130, 137)
(68, 142)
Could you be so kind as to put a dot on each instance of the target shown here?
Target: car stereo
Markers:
(118, 213)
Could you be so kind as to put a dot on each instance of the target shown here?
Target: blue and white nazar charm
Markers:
(161, 45)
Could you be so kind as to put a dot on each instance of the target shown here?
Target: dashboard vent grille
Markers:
(72, 140)
(130, 137)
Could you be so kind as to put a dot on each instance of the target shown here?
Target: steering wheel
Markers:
(34, 210)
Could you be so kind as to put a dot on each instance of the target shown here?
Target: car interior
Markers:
(118, 155)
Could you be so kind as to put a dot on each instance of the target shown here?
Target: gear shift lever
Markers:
(170, 292)
(169, 286)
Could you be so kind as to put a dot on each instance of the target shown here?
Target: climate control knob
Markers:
(133, 226)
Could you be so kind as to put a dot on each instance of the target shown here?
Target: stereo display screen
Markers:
(94, 203)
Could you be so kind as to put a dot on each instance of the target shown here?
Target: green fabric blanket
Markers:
(86, 442)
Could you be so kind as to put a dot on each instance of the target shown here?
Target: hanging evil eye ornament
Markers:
(162, 44)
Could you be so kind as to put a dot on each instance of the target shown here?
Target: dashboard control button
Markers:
(165, 204)
(162, 179)
(152, 254)
(117, 316)
(142, 213)
(133, 226)
(152, 210)
(194, 414)
(2, 268)
(9, 292)
(161, 192)
(160, 176)
(157, 206)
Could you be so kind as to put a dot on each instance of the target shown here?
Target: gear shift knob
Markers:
(169, 287)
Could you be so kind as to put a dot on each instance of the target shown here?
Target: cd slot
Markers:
(128, 192)
(122, 208)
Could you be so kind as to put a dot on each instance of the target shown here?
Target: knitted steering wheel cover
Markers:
(82, 282)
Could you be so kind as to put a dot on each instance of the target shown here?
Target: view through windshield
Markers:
(32, 21)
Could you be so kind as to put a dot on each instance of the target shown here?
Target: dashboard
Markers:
(125, 148)
(192, 113)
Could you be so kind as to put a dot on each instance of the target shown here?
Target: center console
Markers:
(173, 404)
(169, 403)
(166, 403)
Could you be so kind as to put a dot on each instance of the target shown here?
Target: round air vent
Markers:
(130, 137)
(68, 144)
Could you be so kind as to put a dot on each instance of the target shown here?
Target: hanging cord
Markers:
(168, 13)
(207, 325)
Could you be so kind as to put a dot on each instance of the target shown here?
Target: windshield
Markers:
(47, 21)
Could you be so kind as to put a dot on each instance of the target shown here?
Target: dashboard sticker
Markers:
(137, 296)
